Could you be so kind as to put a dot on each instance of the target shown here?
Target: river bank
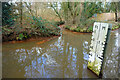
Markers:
(23, 33)
(48, 38)
(89, 28)
(41, 39)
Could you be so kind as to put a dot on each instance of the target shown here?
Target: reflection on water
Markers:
(111, 61)
(63, 57)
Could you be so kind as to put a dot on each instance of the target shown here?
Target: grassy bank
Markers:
(89, 28)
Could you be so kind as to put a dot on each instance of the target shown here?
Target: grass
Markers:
(78, 29)
(89, 28)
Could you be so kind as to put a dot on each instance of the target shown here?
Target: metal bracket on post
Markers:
(100, 37)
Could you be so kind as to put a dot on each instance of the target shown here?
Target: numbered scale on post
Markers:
(100, 36)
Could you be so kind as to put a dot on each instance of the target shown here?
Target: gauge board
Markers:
(100, 36)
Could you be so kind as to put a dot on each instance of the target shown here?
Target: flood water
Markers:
(62, 57)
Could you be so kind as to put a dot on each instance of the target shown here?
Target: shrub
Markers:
(59, 22)
(7, 16)
(119, 19)
(45, 27)
(116, 27)
(67, 27)
(77, 29)
(81, 30)
(90, 29)
(72, 29)
(38, 27)
(84, 29)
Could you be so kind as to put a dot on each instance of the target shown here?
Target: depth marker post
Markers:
(100, 38)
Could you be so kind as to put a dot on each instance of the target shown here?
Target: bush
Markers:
(86, 23)
(7, 17)
(83, 26)
(44, 27)
(38, 27)
(77, 29)
(90, 29)
(115, 27)
(119, 19)
(67, 27)
(60, 22)
(72, 29)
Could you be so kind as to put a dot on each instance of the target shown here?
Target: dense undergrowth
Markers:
(31, 27)
(20, 21)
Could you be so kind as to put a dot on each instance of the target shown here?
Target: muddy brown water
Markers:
(62, 57)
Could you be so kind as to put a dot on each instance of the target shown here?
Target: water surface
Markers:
(62, 57)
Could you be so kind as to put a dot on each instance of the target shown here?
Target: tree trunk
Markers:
(116, 17)
(29, 8)
(36, 7)
(21, 13)
(105, 7)
(57, 12)
(74, 20)
(116, 8)
(36, 13)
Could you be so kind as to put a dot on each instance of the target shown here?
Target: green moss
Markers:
(94, 68)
